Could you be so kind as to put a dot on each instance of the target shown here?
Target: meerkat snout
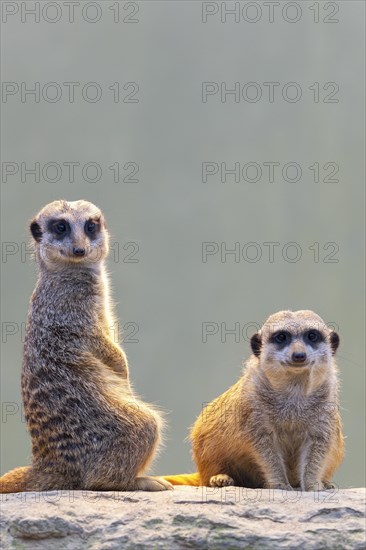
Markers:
(78, 251)
(299, 357)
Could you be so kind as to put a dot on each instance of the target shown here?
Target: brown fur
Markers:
(279, 425)
(88, 429)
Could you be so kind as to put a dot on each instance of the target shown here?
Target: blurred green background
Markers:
(165, 297)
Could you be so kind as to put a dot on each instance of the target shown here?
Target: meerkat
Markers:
(88, 429)
(279, 425)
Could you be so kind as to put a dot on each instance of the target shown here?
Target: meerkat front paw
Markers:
(221, 480)
(329, 485)
(317, 486)
(320, 486)
(152, 484)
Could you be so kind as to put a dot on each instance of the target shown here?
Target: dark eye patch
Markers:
(60, 228)
(313, 337)
(281, 338)
(92, 228)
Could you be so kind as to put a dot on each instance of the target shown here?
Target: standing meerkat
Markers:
(88, 429)
(279, 425)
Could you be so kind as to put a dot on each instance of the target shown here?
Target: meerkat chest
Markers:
(294, 415)
(291, 435)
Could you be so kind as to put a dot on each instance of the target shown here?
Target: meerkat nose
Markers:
(299, 356)
(78, 251)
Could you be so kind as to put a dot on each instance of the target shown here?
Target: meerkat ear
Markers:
(36, 230)
(334, 341)
(256, 344)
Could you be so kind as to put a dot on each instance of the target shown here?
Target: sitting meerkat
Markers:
(88, 429)
(279, 425)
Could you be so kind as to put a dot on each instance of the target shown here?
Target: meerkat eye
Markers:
(281, 337)
(60, 228)
(90, 227)
(313, 336)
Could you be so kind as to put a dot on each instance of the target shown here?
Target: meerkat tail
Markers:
(16, 480)
(184, 479)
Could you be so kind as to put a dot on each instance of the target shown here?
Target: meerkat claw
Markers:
(221, 480)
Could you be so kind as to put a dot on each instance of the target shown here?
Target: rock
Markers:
(188, 517)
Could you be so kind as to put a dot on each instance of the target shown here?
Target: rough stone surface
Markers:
(187, 517)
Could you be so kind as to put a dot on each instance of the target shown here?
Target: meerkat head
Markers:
(294, 341)
(70, 234)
